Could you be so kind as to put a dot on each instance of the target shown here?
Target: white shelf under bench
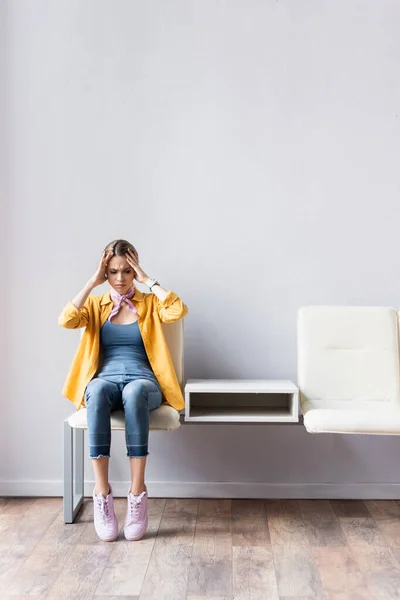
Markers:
(241, 400)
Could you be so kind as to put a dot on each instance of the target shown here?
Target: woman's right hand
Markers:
(100, 276)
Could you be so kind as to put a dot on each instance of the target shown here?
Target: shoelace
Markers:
(134, 505)
(103, 509)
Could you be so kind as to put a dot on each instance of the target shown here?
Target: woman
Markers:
(122, 362)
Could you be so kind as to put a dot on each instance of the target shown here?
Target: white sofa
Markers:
(348, 369)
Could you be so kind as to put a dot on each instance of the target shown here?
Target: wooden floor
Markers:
(205, 550)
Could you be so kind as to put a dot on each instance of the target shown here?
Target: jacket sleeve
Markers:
(72, 317)
(171, 309)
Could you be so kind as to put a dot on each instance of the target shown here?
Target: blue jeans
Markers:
(137, 397)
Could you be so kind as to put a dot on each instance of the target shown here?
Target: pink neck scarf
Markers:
(120, 299)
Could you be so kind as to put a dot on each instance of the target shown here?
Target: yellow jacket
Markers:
(151, 312)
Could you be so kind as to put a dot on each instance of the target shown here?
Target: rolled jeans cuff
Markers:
(137, 451)
(99, 445)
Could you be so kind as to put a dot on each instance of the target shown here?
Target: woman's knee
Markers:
(98, 394)
(136, 392)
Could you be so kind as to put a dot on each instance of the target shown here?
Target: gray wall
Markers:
(250, 150)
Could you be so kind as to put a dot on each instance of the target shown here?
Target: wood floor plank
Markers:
(12, 557)
(352, 509)
(157, 507)
(368, 542)
(168, 571)
(177, 530)
(210, 578)
(383, 510)
(215, 508)
(322, 524)
(340, 574)
(81, 573)
(17, 597)
(296, 570)
(28, 530)
(7, 522)
(362, 532)
(48, 505)
(210, 572)
(391, 532)
(60, 533)
(251, 532)
(382, 587)
(249, 523)
(254, 575)
(16, 505)
(167, 574)
(177, 526)
(114, 598)
(396, 553)
(285, 522)
(247, 509)
(181, 507)
(379, 561)
(386, 514)
(38, 573)
(208, 598)
(179, 521)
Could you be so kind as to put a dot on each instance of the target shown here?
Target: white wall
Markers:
(250, 150)
(3, 217)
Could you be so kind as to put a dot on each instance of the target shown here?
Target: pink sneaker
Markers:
(137, 517)
(105, 521)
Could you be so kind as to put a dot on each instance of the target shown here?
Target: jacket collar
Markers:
(106, 298)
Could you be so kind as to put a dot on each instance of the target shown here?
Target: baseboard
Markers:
(178, 489)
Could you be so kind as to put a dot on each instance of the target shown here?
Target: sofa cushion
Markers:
(163, 418)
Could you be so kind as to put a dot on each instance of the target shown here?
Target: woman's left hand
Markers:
(140, 275)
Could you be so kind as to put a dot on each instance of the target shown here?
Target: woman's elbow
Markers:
(63, 321)
(171, 316)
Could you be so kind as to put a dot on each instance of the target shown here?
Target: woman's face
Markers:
(120, 274)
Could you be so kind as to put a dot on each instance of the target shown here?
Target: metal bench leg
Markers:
(79, 462)
(73, 470)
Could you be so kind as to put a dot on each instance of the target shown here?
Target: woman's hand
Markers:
(140, 275)
(100, 275)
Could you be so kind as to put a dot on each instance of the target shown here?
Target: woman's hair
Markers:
(119, 247)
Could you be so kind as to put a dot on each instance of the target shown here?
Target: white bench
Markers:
(348, 377)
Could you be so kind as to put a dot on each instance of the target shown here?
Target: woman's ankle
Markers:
(136, 490)
(103, 490)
